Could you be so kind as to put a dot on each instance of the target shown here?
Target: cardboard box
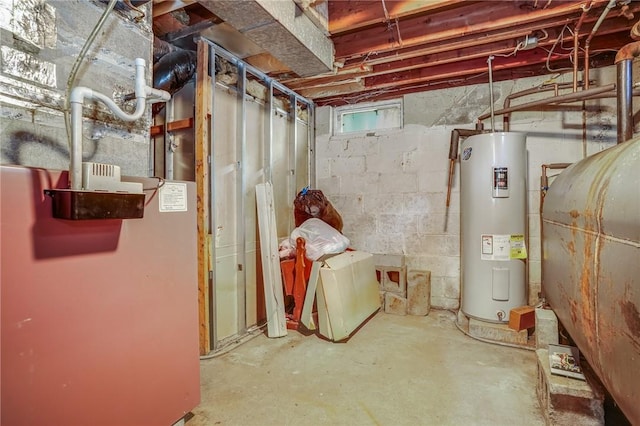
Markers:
(347, 294)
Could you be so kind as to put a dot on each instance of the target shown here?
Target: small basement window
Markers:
(368, 117)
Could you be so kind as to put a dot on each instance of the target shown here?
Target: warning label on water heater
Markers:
(503, 247)
(173, 197)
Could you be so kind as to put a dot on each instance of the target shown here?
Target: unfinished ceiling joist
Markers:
(394, 47)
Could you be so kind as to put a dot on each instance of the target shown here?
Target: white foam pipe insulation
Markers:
(77, 98)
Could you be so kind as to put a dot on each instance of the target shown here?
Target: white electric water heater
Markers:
(493, 216)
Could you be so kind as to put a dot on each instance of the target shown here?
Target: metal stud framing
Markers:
(244, 70)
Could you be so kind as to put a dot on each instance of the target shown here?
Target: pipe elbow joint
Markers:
(629, 51)
(156, 95)
(79, 94)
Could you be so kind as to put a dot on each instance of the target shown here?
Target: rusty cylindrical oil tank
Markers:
(591, 265)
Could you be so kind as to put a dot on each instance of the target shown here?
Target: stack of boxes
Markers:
(402, 292)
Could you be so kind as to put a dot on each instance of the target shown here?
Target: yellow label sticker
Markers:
(518, 247)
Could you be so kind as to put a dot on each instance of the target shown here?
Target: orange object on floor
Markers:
(522, 318)
(295, 275)
(287, 267)
(300, 282)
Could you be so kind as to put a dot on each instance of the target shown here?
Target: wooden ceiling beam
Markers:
(377, 94)
(474, 71)
(489, 37)
(454, 70)
(484, 50)
(477, 67)
(351, 16)
(365, 66)
(162, 7)
(464, 21)
(444, 54)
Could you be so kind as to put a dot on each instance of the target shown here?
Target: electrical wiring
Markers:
(76, 66)
(520, 46)
(550, 51)
(158, 186)
(546, 35)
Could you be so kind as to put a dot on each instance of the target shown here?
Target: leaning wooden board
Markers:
(272, 279)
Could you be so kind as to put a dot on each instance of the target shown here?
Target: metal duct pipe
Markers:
(161, 48)
(625, 100)
(624, 62)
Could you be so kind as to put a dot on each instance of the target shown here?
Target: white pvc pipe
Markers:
(77, 98)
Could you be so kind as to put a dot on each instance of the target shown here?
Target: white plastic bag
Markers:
(320, 238)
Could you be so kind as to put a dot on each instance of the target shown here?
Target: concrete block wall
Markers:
(390, 186)
(40, 40)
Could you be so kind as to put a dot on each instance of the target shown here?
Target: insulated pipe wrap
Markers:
(161, 48)
(173, 70)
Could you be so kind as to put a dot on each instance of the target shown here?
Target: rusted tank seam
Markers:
(612, 238)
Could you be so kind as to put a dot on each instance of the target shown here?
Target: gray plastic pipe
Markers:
(77, 98)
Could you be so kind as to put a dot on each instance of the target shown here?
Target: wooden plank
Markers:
(162, 7)
(522, 318)
(272, 279)
(183, 124)
(448, 25)
(349, 16)
(202, 191)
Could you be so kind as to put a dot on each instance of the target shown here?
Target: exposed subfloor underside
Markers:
(395, 370)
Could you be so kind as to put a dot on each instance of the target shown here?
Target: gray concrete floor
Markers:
(395, 370)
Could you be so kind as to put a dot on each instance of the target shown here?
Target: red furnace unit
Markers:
(99, 317)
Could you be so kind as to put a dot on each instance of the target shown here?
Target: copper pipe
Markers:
(576, 43)
(544, 185)
(585, 76)
(569, 97)
(453, 152)
(545, 88)
(450, 183)
(544, 179)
